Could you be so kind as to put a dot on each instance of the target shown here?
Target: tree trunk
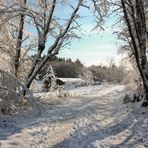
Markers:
(38, 68)
(19, 40)
(41, 47)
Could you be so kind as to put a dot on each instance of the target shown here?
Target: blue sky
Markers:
(94, 47)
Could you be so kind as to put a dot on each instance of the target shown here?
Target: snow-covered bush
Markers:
(12, 94)
(52, 98)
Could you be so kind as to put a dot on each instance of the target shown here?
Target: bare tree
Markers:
(47, 24)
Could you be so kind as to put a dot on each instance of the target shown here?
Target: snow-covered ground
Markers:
(93, 117)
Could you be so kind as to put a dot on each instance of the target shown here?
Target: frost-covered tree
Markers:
(12, 26)
(51, 30)
(50, 25)
(132, 14)
(135, 18)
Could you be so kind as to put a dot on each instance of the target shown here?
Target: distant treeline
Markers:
(66, 68)
(111, 73)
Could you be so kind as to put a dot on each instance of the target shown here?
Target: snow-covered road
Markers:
(94, 118)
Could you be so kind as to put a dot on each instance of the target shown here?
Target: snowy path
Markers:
(95, 118)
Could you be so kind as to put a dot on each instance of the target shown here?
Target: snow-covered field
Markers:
(91, 117)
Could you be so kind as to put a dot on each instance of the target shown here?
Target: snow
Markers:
(92, 117)
(71, 79)
(70, 83)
